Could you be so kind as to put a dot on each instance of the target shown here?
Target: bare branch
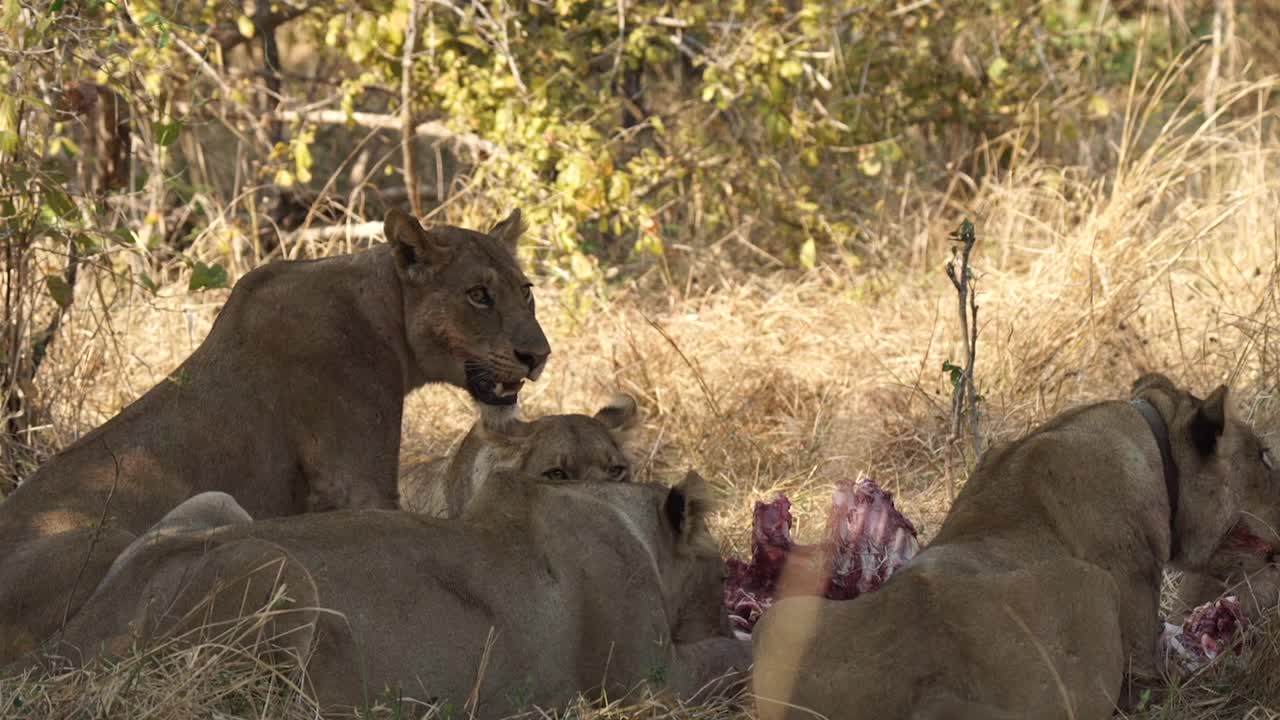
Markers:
(431, 128)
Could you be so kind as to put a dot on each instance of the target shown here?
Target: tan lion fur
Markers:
(292, 403)
(546, 591)
(553, 448)
(1040, 589)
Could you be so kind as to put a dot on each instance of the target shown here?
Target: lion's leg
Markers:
(711, 667)
(44, 581)
(247, 593)
(943, 705)
(343, 476)
(1139, 606)
(205, 511)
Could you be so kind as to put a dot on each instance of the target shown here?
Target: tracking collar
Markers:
(1161, 432)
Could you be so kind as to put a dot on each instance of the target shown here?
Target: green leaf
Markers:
(145, 281)
(55, 6)
(124, 235)
(955, 371)
(207, 276)
(59, 201)
(59, 290)
(167, 133)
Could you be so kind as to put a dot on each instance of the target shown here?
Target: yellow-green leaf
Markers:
(997, 68)
(1099, 108)
(245, 26)
(808, 254)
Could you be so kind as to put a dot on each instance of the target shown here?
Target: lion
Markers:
(292, 403)
(544, 591)
(1041, 588)
(552, 448)
(1234, 568)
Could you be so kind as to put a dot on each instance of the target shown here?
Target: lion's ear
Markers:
(509, 231)
(415, 246)
(620, 414)
(1209, 421)
(1153, 381)
(688, 505)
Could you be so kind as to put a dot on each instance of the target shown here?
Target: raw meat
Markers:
(865, 542)
(1208, 631)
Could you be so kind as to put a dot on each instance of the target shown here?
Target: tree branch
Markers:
(432, 128)
(407, 133)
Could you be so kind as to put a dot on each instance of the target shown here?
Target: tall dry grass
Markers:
(788, 383)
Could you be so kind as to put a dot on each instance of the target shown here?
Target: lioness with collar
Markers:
(292, 403)
(1041, 588)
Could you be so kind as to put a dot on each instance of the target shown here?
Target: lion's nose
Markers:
(533, 360)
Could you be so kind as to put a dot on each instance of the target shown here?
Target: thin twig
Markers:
(93, 541)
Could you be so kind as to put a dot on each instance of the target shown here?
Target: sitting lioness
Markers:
(1041, 587)
(292, 403)
(544, 592)
(553, 448)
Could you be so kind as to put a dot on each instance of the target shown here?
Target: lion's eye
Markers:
(1266, 459)
(480, 297)
(617, 471)
(527, 291)
(555, 475)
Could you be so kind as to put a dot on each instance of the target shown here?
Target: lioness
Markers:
(546, 591)
(553, 448)
(1042, 585)
(292, 403)
(1234, 568)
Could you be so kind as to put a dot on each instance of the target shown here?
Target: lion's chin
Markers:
(486, 390)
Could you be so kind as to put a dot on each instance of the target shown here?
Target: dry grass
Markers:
(790, 382)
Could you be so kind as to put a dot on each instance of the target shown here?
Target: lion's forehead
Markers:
(497, 262)
(576, 438)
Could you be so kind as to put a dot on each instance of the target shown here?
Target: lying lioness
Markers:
(552, 448)
(292, 403)
(1040, 589)
(546, 591)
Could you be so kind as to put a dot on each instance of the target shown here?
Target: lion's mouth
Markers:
(487, 389)
(1242, 539)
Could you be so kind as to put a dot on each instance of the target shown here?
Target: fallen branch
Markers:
(358, 231)
(430, 128)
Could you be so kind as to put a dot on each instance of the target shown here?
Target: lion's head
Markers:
(697, 576)
(1228, 509)
(562, 448)
(468, 309)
